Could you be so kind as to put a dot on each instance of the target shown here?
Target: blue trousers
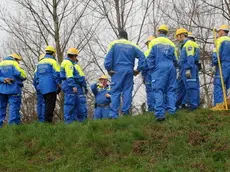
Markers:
(101, 112)
(71, 107)
(189, 91)
(14, 101)
(218, 93)
(180, 93)
(121, 84)
(164, 88)
(149, 92)
(81, 113)
(40, 107)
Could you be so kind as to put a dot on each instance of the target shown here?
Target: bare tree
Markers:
(39, 23)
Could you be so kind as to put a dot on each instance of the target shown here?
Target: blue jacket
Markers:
(161, 52)
(35, 81)
(222, 47)
(197, 51)
(99, 94)
(48, 75)
(145, 70)
(121, 56)
(187, 58)
(80, 78)
(9, 68)
(214, 58)
(81, 75)
(68, 74)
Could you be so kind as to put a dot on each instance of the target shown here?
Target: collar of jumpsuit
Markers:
(184, 41)
(73, 61)
(49, 56)
(162, 35)
(9, 58)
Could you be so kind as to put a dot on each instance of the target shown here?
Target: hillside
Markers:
(188, 141)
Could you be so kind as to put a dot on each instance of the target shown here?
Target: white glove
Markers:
(188, 74)
(178, 76)
(213, 70)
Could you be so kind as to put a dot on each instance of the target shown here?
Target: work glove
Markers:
(143, 79)
(213, 70)
(58, 89)
(107, 95)
(111, 72)
(135, 72)
(75, 89)
(178, 76)
(86, 90)
(8, 81)
(188, 74)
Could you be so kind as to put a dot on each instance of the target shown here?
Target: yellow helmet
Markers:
(181, 31)
(163, 27)
(41, 57)
(150, 38)
(16, 56)
(50, 49)
(103, 77)
(73, 51)
(190, 35)
(223, 27)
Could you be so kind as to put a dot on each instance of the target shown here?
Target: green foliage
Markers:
(187, 141)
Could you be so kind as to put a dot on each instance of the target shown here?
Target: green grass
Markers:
(188, 141)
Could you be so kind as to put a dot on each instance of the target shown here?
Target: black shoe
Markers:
(160, 119)
(184, 106)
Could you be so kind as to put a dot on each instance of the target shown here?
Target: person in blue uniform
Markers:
(40, 99)
(120, 62)
(11, 78)
(48, 80)
(161, 60)
(101, 91)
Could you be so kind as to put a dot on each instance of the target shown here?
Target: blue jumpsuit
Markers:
(190, 86)
(121, 59)
(161, 61)
(149, 93)
(40, 100)
(181, 92)
(11, 93)
(47, 81)
(71, 100)
(102, 103)
(82, 91)
(222, 47)
(217, 81)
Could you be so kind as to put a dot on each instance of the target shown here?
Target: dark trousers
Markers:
(50, 100)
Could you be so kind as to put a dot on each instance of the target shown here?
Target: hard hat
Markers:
(103, 77)
(163, 27)
(50, 49)
(41, 57)
(181, 31)
(150, 38)
(73, 51)
(16, 56)
(190, 35)
(223, 27)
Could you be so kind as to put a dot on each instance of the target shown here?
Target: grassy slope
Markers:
(189, 141)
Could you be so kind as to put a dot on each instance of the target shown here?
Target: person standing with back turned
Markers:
(119, 62)
(161, 59)
(48, 78)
